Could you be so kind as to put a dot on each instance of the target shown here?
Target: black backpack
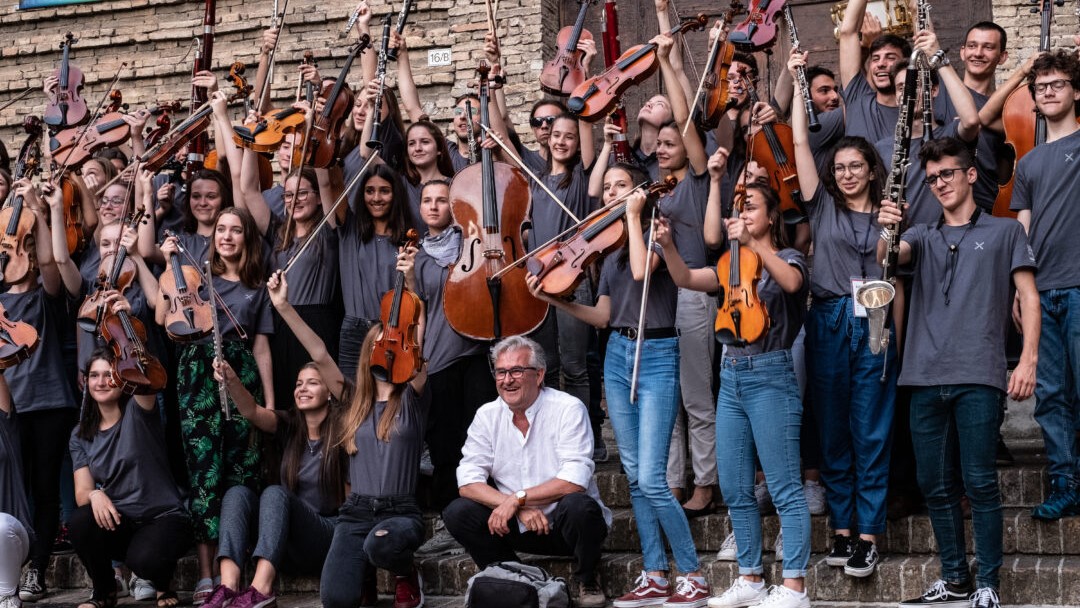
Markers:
(516, 585)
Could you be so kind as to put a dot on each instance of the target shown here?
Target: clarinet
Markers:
(474, 154)
(399, 27)
(800, 72)
(380, 72)
(353, 18)
(922, 22)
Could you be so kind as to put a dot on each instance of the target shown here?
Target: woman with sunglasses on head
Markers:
(852, 401)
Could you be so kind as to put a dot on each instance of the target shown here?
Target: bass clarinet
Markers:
(800, 72)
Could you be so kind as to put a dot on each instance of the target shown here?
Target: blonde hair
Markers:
(362, 404)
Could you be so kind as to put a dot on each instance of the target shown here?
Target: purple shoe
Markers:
(251, 598)
(220, 597)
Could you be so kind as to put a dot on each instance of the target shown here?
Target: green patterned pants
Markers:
(220, 453)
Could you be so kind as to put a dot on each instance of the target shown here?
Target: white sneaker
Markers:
(815, 497)
(729, 551)
(122, 589)
(782, 597)
(141, 589)
(778, 546)
(741, 593)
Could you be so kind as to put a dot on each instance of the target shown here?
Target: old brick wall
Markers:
(1022, 26)
(154, 38)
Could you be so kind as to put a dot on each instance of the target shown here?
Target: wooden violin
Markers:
(188, 317)
(17, 238)
(116, 272)
(72, 147)
(69, 108)
(397, 357)
(774, 149)
(742, 318)
(490, 202)
(155, 157)
(566, 70)
(322, 148)
(73, 219)
(561, 265)
(18, 340)
(758, 31)
(597, 97)
(712, 100)
(134, 369)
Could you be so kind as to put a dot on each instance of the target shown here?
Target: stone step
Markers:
(912, 534)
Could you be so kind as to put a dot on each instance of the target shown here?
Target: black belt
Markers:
(650, 333)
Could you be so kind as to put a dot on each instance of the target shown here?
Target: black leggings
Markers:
(150, 548)
(44, 436)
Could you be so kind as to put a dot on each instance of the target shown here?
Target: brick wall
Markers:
(1022, 26)
(154, 38)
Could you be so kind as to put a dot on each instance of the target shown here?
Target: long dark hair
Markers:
(637, 176)
(332, 468)
(574, 161)
(443, 162)
(251, 259)
(90, 419)
(399, 220)
(777, 229)
(191, 225)
(874, 165)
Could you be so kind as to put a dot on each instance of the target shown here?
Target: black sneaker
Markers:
(864, 559)
(842, 548)
(943, 595)
(62, 544)
(985, 597)
(32, 586)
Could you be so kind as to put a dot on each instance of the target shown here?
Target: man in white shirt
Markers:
(536, 444)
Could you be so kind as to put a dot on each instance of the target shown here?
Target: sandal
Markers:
(203, 589)
(167, 599)
(107, 602)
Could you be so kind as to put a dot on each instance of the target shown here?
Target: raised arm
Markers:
(265, 420)
(966, 112)
(312, 343)
(695, 149)
(850, 47)
(714, 213)
(407, 93)
(800, 134)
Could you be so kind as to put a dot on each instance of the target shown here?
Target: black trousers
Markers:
(44, 437)
(457, 391)
(578, 529)
(150, 548)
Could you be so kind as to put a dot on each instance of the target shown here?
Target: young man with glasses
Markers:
(1045, 192)
(536, 444)
(964, 262)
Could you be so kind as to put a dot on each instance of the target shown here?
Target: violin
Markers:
(17, 340)
(490, 202)
(322, 147)
(774, 149)
(17, 238)
(73, 220)
(742, 318)
(161, 126)
(566, 70)
(156, 156)
(397, 357)
(188, 317)
(609, 34)
(597, 96)
(72, 147)
(561, 265)
(69, 109)
(116, 272)
(712, 100)
(134, 369)
(268, 133)
(758, 31)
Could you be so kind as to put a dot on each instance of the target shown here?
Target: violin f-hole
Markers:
(470, 258)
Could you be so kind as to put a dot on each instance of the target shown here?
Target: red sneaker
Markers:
(688, 594)
(646, 592)
(410, 591)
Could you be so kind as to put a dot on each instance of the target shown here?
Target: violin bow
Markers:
(277, 23)
(701, 85)
(86, 128)
(9, 102)
(639, 338)
(517, 159)
(689, 56)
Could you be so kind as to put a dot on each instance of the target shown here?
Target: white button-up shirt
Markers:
(558, 444)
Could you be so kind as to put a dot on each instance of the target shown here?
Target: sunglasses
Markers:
(540, 121)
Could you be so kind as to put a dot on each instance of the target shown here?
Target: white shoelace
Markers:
(937, 591)
(984, 597)
(642, 581)
(685, 586)
(777, 594)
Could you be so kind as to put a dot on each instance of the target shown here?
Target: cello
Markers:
(774, 149)
(69, 109)
(566, 70)
(396, 356)
(742, 318)
(17, 238)
(490, 202)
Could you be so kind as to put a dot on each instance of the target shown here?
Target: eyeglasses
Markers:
(299, 194)
(1056, 86)
(108, 201)
(515, 373)
(539, 121)
(946, 176)
(853, 168)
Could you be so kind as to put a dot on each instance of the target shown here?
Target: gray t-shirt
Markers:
(367, 269)
(924, 206)
(617, 282)
(548, 218)
(313, 279)
(946, 343)
(989, 148)
(40, 383)
(457, 159)
(786, 310)
(129, 463)
(442, 345)
(197, 246)
(249, 307)
(390, 468)
(413, 192)
(12, 490)
(685, 209)
(648, 163)
(822, 142)
(865, 116)
(845, 246)
(1048, 183)
(275, 200)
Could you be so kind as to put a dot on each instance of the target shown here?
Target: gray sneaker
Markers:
(141, 589)
(442, 543)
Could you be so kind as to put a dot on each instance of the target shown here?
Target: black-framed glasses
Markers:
(1056, 86)
(539, 121)
(515, 373)
(946, 176)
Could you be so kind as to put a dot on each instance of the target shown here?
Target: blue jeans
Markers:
(289, 531)
(963, 417)
(353, 331)
(565, 340)
(1057, 387)
(643, 433)
(371, 532)
(854, 413)
(759, 414)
